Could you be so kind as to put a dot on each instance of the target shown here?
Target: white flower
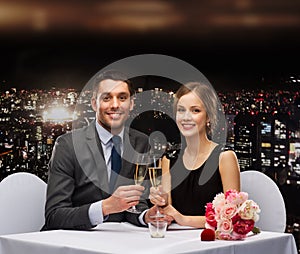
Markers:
(218, 202)
(249, 210)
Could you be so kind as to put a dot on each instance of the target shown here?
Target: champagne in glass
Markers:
(155, 174)
(141, 169)
(140, 173)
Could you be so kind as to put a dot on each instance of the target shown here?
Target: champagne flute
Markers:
(141, 168)
(155, 174)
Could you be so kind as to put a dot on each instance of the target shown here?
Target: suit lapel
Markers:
(129, 142)
(95, 148)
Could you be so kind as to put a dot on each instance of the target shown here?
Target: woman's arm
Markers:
(184, 220)
(166, 179)
(229, 170)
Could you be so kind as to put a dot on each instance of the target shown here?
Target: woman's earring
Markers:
(208, 124)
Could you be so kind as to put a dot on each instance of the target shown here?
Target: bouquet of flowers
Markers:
(232, 215)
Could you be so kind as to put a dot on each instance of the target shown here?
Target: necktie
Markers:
(116, 161)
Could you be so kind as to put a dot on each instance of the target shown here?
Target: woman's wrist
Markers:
(179, 218)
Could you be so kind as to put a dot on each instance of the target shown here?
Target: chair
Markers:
(263, 190)
(22, 199)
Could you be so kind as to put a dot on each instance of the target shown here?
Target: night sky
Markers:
(72, 64)
(232, 58)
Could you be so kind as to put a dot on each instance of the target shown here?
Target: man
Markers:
(81, 171)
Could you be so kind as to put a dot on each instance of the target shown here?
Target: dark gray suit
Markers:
(78, 177)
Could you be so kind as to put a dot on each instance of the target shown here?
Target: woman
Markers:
(203, 169)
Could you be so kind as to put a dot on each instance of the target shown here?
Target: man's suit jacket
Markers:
(78, 177)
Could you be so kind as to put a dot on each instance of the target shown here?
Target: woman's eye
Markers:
(181, 110)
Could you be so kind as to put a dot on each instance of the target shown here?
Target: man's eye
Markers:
(123, 98)
(106, 98)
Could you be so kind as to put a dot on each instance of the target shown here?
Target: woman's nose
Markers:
(187, 115)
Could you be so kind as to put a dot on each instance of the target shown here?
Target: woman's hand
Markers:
(151, 216)
(157, 196)
(170, 211)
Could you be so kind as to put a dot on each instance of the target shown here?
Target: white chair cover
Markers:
(22, 203)
(263, 190)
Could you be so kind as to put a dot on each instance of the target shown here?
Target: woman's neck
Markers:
(197, 152)
(198, 146)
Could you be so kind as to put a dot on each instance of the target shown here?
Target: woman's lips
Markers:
(187, 126)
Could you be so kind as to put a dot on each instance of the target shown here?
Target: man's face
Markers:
(112, 105)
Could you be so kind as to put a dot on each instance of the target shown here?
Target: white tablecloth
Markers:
(126, 238)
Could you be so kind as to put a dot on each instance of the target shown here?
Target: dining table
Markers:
(113, 237)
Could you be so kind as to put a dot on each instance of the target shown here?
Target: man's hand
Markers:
(123, 198)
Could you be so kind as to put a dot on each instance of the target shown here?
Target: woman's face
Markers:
(191, 116)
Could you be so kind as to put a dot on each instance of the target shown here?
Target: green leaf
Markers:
(255, 230)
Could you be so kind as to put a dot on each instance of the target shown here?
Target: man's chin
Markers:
(116, 126)
(113, 127)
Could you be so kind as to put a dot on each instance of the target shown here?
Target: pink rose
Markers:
(225, 225)
(232, 236)
(228, 211)
(235, 236)
(223, 236)
(230, 193)
(235, 197)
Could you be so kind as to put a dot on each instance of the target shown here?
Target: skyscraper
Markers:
(245, 140)
(261, 141)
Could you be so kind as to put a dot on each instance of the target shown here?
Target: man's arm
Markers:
(59, 210)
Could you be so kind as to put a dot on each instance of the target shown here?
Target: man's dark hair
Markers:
(113, 75)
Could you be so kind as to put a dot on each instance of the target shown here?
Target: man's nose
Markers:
(115, 102)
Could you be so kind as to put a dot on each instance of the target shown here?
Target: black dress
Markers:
(192, 189)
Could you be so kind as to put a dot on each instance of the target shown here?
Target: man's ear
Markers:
(94, 103)
(131, 104)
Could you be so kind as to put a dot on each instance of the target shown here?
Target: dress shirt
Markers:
(107, 145)
(95, 216)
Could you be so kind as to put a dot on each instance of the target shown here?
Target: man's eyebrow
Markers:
(104, 94)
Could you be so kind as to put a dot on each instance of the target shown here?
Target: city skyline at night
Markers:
(36, 112)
